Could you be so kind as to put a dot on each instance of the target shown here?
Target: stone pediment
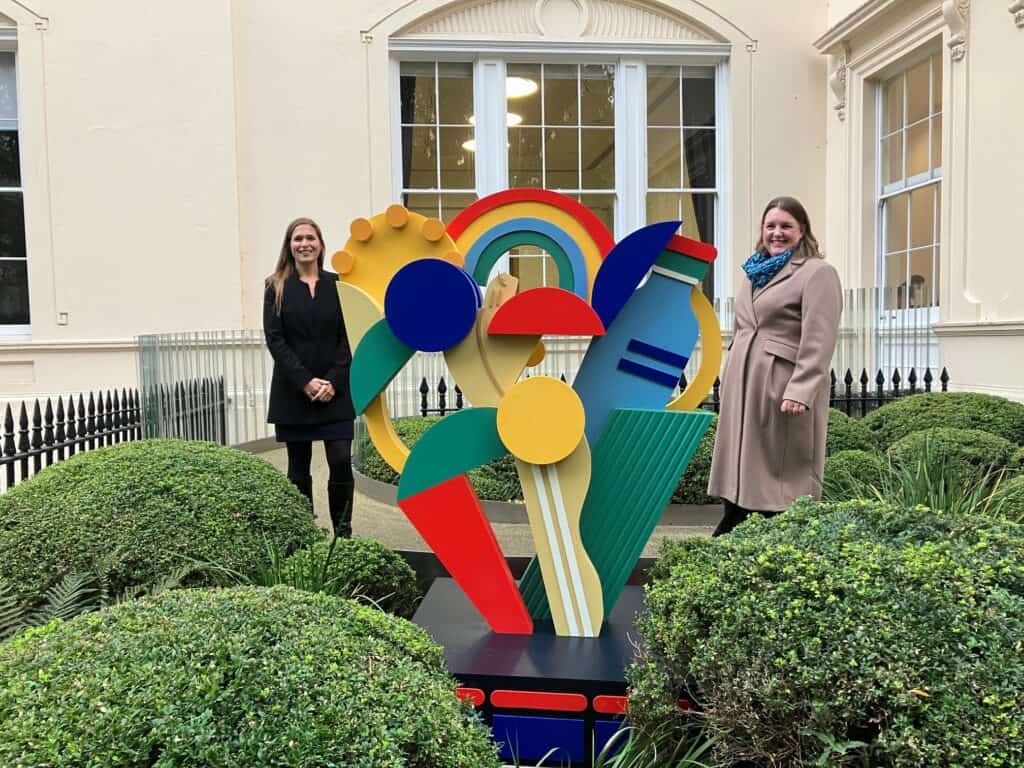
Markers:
(561, 19)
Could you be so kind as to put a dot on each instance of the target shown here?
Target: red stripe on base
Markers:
(554, 702)
(693, 248)
(611, 705)
(473, 695)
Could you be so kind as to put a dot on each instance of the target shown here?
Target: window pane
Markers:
(14, 293)
(663, 96)
(696, 211)
(892, 158)
(597, 95)
(699, 160)
(936, 84)
(918, 91)
(532, 267)
(458, 164)
(560, 97)
(598, 158)
(937, 141)
(698, 97)
(895, 213)
(921, 271)
(527, 106)
(663, 158)
(10, 166)
(893, 109)
(922, 216)
(524, 157)
(425, 204)
(455, 93)
(896, 281)
(12, 226)
(8, 88)
(452, 205)
(603, 206)
(918, 151)
(419, 158)
(417, 92)
(561, 158)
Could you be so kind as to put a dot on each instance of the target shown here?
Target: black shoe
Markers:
(339, 499)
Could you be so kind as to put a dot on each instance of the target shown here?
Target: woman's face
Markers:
(780, 232)
(306, 246)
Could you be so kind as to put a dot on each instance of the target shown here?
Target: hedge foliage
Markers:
(846, 471)
(496, 480)
(693, 486)
(233, 677)
(957, 410)
(361, 566)
(832, 625)
(966, 453)
(141, 508)
(1009, 498)
(847, 434)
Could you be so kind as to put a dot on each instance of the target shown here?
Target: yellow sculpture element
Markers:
(541, 420)
(591, 253)
(711, 356)
(487, 366)
(554, 495)
(382, 245)
(377, 249)
(361, 312)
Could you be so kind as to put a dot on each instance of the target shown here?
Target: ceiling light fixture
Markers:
(517, 87)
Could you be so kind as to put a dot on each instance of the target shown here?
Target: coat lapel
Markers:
(784, 274)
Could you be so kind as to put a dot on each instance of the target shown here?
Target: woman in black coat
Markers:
(309, 392)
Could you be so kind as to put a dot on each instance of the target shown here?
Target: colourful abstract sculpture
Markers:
(597, 460)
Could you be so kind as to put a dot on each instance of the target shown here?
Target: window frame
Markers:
(630, 127)
(8, 44)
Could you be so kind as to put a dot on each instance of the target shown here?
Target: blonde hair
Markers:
(808, 245)
(286, 262)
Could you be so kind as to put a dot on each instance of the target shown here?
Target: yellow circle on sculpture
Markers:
(433, 230)
(537, 355)
(541, 420)
(397, 216)
(342, 262)
(362, 230)
(456, 258)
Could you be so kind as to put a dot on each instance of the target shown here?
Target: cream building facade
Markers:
(154, 152)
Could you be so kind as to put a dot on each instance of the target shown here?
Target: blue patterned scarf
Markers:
(761, 267)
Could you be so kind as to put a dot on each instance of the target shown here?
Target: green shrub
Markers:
(360, 567)
(1008, 499)
(829, 625)
(233, 677)
(958, 410)
(693, 486)
(496, 480)
(966, 453)
(846, 434)
(1016, 463)
(137, 510)
(852, 474)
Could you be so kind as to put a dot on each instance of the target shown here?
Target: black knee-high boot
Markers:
(339, 498)
(305, 486)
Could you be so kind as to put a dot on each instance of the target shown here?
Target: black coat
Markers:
(307, 340)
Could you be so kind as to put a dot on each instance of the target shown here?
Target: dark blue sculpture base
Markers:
(537, 663)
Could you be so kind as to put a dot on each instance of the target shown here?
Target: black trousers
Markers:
(337, 452)
(735, 514)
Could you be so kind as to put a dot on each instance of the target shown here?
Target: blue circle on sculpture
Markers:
(431, 305)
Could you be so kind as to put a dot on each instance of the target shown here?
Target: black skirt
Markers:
(307, 433)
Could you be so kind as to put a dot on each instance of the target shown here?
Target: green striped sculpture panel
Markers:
(636, 465)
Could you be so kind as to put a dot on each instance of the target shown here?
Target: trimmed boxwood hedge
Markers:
(693, 485)
(958, 410)
(847, 434)
(967, 453)
(831, 624)
(851, 472)
(1009, 498)
(496, 480)
(241, 677)
(362, 566)
(141, 508)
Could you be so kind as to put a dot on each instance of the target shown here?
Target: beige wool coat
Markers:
(782, 349)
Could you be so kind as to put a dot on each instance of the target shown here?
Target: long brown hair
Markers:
(808, 245)
(286, 262)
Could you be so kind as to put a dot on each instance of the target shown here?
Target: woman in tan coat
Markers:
(770, 446)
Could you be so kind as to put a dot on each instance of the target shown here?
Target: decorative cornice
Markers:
(849, 26)
(83, 345)
(593, 19)
(1017, 9)
(956, 12)
(995, 328)
(837, 79)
